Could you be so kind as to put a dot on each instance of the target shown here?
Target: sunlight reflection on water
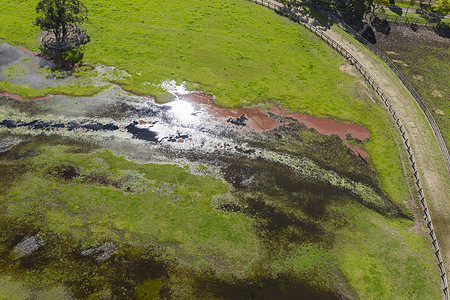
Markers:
(183, 110)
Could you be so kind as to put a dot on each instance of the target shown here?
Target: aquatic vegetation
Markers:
(269, 229)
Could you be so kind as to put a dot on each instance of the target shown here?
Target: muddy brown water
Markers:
(258, 120)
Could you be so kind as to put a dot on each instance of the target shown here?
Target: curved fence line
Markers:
(408, 20)
(397, 72)
(426, 214)
(434, 21)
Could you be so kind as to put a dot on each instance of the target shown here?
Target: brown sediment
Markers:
(259, 120)
(17, 97)
(329, 126)
(27, 50)
(48, 96)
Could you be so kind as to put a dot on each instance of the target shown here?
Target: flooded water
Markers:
(285, 171)
(259, 120)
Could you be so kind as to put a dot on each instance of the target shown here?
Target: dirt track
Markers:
(428, 157)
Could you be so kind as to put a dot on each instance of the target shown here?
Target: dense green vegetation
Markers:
(240, 52)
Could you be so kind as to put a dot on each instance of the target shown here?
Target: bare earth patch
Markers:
(348, 69)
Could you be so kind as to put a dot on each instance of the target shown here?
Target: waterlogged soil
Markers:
(284, 171)
(261, 120)
(22, 67)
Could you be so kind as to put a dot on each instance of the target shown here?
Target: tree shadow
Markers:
(68, 60)
(395, 9)
(381, 26)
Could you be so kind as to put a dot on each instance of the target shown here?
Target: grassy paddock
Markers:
(242, 53)
(426, 67)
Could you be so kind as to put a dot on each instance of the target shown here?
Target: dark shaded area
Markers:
(288, 285)
(381, 26)
(369, 35)
(239, 121)
(143, 134)
(396, 9)
(37, 124)
(64, 171)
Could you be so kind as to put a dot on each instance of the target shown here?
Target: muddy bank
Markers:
(261, 120)
(17, 97)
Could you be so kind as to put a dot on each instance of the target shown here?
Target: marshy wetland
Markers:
(293, 187)
(191, 203)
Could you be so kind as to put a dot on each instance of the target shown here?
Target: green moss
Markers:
(25, 91)
(149, 289)
(99, 205)
(307, 257)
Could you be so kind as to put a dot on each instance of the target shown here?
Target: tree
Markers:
(358, 8)
(379, 5)
(59, 17)
(442, 6)
(411, 3)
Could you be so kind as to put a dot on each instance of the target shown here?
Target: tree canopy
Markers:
(59, 16)
(380, 5)
(442, 6)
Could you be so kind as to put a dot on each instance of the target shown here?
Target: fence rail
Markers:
(427, 218)
(410, 20)
(432, 20)
(397, 72)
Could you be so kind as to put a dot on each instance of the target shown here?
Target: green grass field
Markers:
(244, 55)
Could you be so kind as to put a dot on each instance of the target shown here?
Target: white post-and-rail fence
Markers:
(426, 214)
